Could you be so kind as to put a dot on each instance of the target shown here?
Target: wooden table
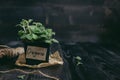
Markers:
(58, 72)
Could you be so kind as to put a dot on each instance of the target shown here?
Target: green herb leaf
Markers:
(28, 36)
(54, 40)
(34, 36)
(23, 36)
(21, 77)
(48, 41)
(35, 31)
(30, 20)
(78, 58)
(78, 63)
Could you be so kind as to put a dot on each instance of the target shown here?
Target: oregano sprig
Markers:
(32, 31)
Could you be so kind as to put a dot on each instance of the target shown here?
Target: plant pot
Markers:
(36, 52)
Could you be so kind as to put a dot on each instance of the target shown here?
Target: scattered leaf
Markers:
(78, 59)
(21, 77)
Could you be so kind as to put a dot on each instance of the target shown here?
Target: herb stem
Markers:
(28, 27)
(24, 29)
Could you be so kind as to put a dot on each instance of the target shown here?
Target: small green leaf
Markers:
(43, 36)
(37, 23)
(53, 33)
(48, 41)
(78, 58)
(21, 77)
(34, 36)
(30, 20)
(78, 63)
(48, 30)
(23, 36)
(54, 40)
(29, 37)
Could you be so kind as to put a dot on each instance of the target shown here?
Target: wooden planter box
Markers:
(36, 52)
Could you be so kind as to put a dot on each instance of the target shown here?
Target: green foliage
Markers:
(21, 77)
(32, 31)
(78, 59)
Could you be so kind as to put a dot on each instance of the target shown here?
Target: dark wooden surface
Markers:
(8, 71)
(100, 61)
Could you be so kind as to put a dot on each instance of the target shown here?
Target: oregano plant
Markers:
(35, 31)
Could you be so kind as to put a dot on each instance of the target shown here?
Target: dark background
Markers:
(81, 22)
(72, 20)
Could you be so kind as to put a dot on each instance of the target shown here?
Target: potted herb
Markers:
(37, 40)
